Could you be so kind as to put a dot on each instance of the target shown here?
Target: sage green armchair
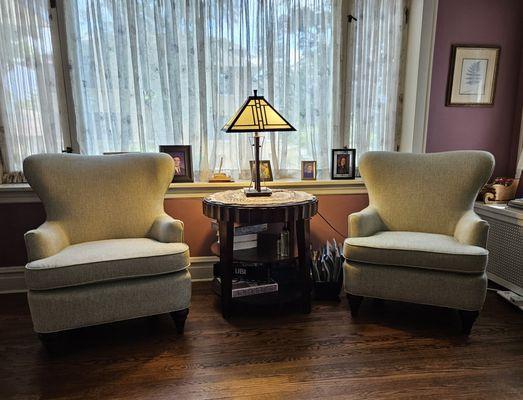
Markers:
(419, 239)
(107, 251)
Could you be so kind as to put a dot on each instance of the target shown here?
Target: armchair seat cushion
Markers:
(417, 250)
(106, 260)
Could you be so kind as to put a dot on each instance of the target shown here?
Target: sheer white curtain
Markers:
(146, 73)
(28, 97)
(519, 166)
(374, 74)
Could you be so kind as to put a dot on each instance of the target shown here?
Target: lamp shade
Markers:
(257, 115)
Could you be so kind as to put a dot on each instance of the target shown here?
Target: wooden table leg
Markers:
(303, 236)
(226, 260)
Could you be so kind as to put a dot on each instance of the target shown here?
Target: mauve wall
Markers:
(494, 22)
(19, 218)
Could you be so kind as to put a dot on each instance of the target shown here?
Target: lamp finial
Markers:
(255, 93)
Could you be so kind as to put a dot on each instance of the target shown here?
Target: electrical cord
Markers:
(332, 227)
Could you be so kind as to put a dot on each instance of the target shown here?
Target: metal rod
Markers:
(257, 184)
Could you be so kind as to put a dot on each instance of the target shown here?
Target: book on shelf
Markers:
(252, 244)
(243, 230)
(252, 237)
(244, 242)
(243, 288)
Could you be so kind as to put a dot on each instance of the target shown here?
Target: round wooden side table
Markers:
(294, 208)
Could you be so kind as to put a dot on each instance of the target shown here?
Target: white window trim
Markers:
(418, 75)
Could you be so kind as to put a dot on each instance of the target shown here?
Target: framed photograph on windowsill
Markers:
(343, 164)
(308, 170)
(182, 157)
(472, 75)
(265, 170)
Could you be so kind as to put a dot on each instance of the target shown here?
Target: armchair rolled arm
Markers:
(365, 223)
(471, 229)
(45, 241)
(166, 229)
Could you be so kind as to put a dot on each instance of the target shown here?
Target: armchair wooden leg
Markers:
(354, 304)
(467, 320)
(179, 318)
(55, 342)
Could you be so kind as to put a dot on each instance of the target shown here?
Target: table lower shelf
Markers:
(288, 294)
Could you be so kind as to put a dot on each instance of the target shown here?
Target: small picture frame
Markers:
(472, 75)
(265, 170)
(182, 156)
(308, 170)
(343, 164)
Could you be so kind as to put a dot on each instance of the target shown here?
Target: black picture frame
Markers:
(349, 166)
(184, 154)
(488, 53)
(262, 177)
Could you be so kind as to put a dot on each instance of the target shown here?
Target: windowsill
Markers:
(23, 193)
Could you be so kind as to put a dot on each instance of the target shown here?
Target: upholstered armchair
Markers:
(107, 251)
(419, 239)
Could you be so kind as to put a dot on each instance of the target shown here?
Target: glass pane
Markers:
(28, 95)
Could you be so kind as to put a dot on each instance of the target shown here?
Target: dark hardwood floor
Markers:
(392, 351)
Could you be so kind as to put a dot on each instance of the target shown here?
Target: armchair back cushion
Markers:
(424, 192)
(101, 197)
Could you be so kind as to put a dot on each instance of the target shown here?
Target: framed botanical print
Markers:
(472, 75)
(343, 164)
(182, 157)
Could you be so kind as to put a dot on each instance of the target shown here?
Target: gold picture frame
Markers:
(308, 171)
(472, 75)
(265, 170)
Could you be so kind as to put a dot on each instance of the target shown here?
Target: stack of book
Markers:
(245, 237)
(242, 288)
(247, 280)
(516, 203)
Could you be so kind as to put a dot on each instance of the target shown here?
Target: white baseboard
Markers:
(12, 278)
(202, 268)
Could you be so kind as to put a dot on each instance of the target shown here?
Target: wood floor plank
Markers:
(392, 351)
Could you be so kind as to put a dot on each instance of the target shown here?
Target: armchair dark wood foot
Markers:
(354, 304)
(54, 342)
(467, 320)
(179, 318)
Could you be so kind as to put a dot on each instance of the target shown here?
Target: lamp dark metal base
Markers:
(249, 192)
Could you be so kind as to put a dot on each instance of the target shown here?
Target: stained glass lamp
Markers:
(257, 115)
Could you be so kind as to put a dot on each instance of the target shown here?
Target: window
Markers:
(374, 75)
(28, 90)
(150, 73)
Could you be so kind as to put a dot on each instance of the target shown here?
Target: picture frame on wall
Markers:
(265, 170)
(472, 75)
(182, 156)
(343, 164)
(308, 170)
